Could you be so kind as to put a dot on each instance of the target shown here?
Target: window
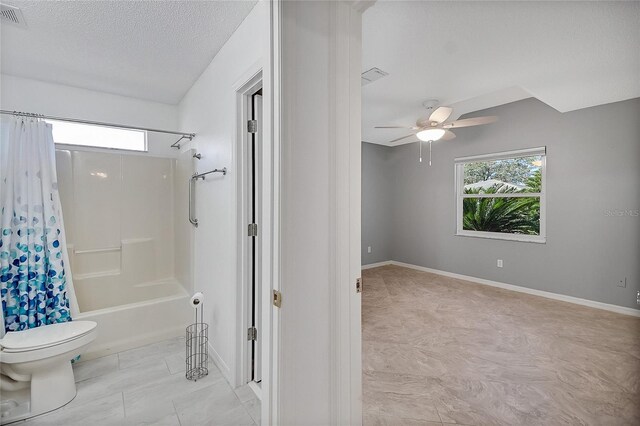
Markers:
(98, 136)
(502, 195)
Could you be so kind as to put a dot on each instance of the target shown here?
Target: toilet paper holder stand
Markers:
(197, 342)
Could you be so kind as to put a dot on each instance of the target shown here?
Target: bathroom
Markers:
(138, 235)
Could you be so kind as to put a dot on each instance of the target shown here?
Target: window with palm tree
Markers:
(502, 195)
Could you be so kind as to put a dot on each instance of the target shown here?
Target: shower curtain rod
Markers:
(176, 144)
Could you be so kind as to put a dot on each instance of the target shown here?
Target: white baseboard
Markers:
(222, 366)
(377, 265)
(520, 289)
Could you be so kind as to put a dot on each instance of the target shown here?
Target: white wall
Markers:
(21, 94)
(209, 109)
(305, 235)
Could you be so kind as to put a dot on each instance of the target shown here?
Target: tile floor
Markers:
(146, 386)
(438, 350)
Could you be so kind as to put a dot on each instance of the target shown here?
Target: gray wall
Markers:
(593, 166)
(376, 203)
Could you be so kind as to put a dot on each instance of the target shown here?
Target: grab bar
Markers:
(202, 175)
(196, 176)
(193, 220)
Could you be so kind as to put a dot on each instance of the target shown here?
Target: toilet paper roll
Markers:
(196, 300)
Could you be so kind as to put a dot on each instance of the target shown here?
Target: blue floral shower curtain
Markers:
(36, 286)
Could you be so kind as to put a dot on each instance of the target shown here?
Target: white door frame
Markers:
(345, 67)
(261, 74)
(244, 103)
(271, 213)
(257, 76)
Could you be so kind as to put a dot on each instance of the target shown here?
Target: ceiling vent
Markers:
(372, 75)
(11, 15)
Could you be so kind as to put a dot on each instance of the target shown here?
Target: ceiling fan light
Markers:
(430, 134)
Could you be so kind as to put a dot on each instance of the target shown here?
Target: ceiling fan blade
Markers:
(404, 137)
(448, 135)
(468, 122)
(440, 114)
(396, 127)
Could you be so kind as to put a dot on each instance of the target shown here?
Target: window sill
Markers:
(538, 239)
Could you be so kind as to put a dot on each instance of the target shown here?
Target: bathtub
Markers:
(126, 291)
(137, 324)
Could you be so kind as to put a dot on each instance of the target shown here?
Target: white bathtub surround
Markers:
(147, 385)
(120, 214)
(123, 228)
(36, 367)
(186, 165)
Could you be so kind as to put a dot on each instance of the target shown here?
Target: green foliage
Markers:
(512, 170)
(534, 182)
(515, 215)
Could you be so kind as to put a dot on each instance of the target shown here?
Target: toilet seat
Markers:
(45, 336)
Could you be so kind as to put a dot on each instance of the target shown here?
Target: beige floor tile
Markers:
(478, 355)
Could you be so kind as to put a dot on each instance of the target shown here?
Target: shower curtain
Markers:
(35, 280)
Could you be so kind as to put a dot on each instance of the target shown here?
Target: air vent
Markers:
(372, 75)
(11, 15)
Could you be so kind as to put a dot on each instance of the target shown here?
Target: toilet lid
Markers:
(45, 336)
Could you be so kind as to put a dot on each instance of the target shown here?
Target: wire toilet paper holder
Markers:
(197, 342)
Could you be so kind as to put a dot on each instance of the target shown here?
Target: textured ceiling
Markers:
(143, 49)
(475, 55)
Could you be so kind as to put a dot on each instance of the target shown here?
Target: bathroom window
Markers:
(79, 134)
(502, 195)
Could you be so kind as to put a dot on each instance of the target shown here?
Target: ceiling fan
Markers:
(435, 127)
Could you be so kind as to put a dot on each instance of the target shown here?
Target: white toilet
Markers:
(36, 368)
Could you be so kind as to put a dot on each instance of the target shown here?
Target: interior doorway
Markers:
(254, 156)
(250, 228)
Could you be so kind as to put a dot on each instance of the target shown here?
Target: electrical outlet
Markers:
(369, 249)
(499, 263)
(638, 298)
(622, 283)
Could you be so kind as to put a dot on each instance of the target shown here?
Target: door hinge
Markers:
(253, 230)
(359, 285)
(252, 126)
(252, 333)
(277, 299)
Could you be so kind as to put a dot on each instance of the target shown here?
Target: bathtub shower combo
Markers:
(122, 257)
(129, 244)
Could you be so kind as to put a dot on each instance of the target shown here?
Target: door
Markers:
(255, 313)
